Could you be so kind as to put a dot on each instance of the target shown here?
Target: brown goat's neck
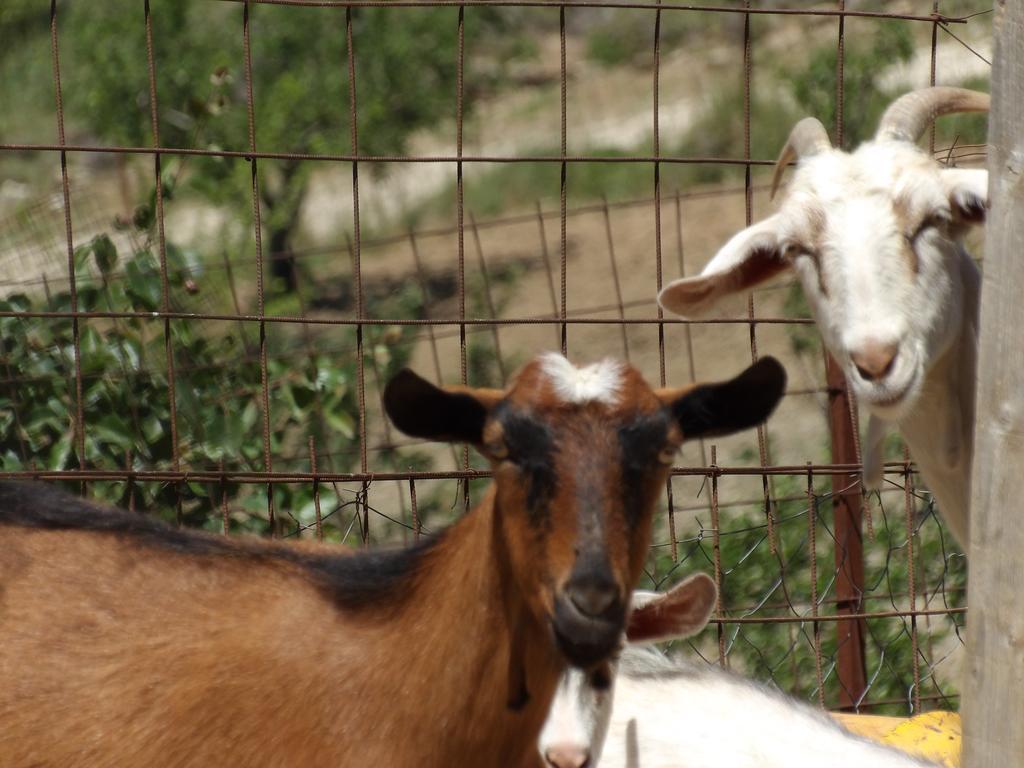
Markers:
(449, 647)
(250, 662)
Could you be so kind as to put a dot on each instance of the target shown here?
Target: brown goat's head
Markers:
(579, 457)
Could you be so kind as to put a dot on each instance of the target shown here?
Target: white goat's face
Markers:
(577, 725)
(875, 238)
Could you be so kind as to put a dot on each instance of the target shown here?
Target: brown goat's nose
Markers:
(567, 756)
(874, 359)
(593, 599)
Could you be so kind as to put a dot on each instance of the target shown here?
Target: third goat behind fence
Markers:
(876, 239)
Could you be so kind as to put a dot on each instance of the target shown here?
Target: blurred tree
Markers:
(19, 18)
(126, 393)
(760, 582)
(814, 86)
(405, 78)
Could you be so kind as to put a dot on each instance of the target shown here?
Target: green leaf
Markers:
(143, 217)
(255, 504)
(105, 252)
(152, 429)
(39, 336)
(341, 421)
(18, 302)
(307, 512)
(81, 255)
(10, 462)
(288, 396)
(143, 282)
(114, 430)
(250, 414)
(332, 379)
(198, 489)
(60, 452)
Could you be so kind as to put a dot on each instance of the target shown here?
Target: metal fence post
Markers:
(849, 544)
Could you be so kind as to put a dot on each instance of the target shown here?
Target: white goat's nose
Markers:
(874, 359)
(567, 756)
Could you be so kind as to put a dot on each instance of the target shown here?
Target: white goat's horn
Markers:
(807, 138)
(908, 117)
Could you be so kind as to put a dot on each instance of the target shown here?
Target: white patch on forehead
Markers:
(600, 382)
(875, 168)
(824, 178)
(885, 164)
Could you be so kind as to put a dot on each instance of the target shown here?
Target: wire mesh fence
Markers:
(240, 387)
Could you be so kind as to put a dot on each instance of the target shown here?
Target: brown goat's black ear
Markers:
(710, 410)
(453, 414)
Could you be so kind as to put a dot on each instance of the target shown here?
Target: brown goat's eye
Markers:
(497, 450)
(494, 444)
(667, 455)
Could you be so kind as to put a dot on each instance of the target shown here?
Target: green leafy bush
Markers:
(759, 583)
(125, 399)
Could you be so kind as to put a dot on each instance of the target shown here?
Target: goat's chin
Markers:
(585, 641)
(890, 400)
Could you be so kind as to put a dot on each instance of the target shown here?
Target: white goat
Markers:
(875, 238)
(651, 711)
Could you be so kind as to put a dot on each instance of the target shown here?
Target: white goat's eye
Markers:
(790, 251)
(794, 251)
(937, 220)
(815, 259)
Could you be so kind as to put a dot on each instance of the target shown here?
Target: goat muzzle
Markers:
(567, 756)
(585, 639)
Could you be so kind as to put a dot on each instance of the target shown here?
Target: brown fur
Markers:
(115, 656)
(908, 223)
(128, 644)
(816, 221)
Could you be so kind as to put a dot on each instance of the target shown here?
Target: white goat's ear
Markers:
(749, 258)
(644, 597)
(967, 192)
(678, 613)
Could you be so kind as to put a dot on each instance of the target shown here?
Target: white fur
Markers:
(599, 382)
(872, 295)
(668, 713)
(862, 290)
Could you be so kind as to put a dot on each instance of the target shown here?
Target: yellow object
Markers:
(933, 735)
(874, 727)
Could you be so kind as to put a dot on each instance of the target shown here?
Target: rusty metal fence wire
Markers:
(852, 602)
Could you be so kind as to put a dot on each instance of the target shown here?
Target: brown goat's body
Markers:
(125, 643)
(259, 666)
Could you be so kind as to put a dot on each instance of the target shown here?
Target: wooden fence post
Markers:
(993, 701)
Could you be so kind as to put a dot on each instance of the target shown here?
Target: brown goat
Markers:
(124, 642)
